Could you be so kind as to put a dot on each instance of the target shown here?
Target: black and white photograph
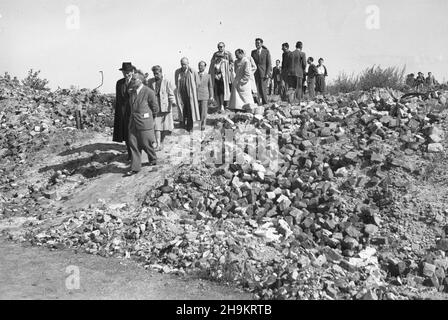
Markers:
(235, 152)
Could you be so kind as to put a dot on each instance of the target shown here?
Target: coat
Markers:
(143, 108)
(205, 87)
(167, 97)
(298, 64)
(431, 81)
(263, 62)
(121, 118)
(226, 76)
(286, 63)
(253, 68)
(192, 86)
(312, 72)
(227, 55)
(242, 88)
(276, 74)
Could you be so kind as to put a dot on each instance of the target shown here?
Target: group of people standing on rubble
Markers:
(144, 104)
(420, 82)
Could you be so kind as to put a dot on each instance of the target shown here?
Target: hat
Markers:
(127, 66)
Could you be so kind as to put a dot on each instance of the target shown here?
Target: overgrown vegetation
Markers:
(33, 80)
(372, 77)
(344, 83)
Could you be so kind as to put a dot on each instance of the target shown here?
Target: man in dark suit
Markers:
(262, 59)
(276, 77)
(121, 118)
(298, 69)
(286, 67)
(143, 108)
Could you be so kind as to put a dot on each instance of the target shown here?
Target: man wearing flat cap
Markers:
(121, 119)
(143, 108)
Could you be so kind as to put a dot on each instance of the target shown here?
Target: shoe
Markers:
(130, 173)
(152, 163)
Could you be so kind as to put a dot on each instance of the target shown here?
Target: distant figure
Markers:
(286, 68)
(205, 92)
(163, 121)
(431, 81)
(262, 58)
(221, 79)
(410, 80)
(297, 72)
(242, 88)
(311, 77)
(419, 81)
(277, 77)
(187, 81)
(143, 108)
(320, 78)
(121, 117)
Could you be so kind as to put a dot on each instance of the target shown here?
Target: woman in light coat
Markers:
(253, 84)
(242, 84)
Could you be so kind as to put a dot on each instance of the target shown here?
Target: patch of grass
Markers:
(369, 78)
(344, 83)
(377, 77)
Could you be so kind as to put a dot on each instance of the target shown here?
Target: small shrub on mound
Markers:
(377, 77)
(33, 81)
(344, 83)
(372, 77)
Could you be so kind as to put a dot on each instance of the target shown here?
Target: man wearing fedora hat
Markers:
(121, 119)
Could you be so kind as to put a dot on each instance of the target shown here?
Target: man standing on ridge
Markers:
(262, 58)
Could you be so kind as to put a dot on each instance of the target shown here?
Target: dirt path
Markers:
(97, 167)
(37, 273)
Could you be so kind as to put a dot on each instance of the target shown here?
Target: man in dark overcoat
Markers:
(121, 118)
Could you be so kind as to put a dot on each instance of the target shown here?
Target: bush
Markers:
(373, 77)
(33, 81)
(377, 77)
(344, 84)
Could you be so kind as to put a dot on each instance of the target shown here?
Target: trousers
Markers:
(141, 140)
(311, 86)
(262, 88)
(203, 110)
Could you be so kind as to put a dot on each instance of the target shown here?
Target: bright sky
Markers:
(349, 34)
